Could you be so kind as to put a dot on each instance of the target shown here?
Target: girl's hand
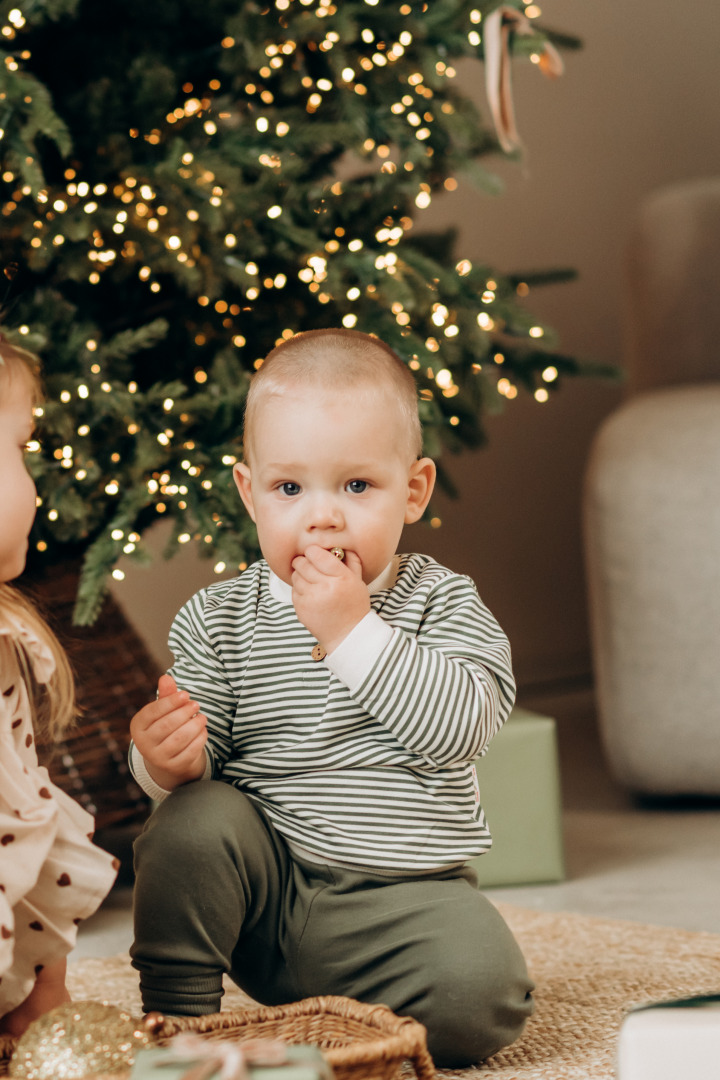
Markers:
(171, 733)
(329, 595)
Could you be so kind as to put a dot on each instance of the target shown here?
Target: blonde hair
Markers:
(335, 359)
(53, 704)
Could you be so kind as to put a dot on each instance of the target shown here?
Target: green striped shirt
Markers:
(371, 763)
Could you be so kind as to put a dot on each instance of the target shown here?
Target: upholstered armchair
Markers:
(652, 509)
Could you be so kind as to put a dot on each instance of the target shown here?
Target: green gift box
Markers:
(519, 780)
(173, 1063)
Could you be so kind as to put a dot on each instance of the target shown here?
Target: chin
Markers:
(10, 571)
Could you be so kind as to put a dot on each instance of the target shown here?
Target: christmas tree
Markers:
(182, 186)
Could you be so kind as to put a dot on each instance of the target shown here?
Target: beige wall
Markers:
(639, 107)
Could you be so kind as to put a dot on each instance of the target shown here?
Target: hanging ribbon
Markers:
(497, 28)
(230, 1060)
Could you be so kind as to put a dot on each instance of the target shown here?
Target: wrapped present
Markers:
(671, 1039)
(192, 1057)
(519, 782)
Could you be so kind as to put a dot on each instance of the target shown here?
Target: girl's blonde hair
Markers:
(53, 704)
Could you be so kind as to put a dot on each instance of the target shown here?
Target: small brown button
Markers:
(318, 653)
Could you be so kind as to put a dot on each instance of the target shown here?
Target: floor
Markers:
(657, 864)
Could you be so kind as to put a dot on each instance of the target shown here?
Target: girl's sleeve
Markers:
(28, 817)
(51, 874)
(7, 923)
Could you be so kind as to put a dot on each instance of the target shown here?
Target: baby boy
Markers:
(318, 798)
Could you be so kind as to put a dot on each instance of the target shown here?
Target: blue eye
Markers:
(290, 488)
(357, 487)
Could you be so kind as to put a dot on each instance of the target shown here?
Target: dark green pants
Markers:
(217, 891)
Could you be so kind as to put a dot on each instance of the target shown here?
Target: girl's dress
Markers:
(51, 874)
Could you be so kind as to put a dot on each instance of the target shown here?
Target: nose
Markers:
(323, 513)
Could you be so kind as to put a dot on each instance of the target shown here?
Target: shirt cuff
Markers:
(150, 787)
(354, 657)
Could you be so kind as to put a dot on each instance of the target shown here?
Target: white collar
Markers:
(282, 592)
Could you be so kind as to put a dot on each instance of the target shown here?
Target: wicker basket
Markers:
(115, 676)
(360, 1042)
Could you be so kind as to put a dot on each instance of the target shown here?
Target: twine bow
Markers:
(229, 1060)
(498, 26)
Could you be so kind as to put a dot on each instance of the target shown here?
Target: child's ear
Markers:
(421, 482)
(241, 475)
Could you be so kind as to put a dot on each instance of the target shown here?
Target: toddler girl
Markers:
(51, 875)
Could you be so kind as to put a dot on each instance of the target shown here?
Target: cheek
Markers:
(274, 523)
(30, 496)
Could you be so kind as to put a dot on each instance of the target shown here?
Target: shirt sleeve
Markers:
(28, 821)
(140, 773)
(51, 874)
(355, 655)
(445, 691)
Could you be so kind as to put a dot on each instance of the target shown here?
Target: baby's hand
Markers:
(171, 733)
(329, 595)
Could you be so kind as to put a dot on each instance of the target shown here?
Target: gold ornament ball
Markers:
(77, 1040)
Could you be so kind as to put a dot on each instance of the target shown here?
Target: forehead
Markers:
(350, 420)
(324, 401)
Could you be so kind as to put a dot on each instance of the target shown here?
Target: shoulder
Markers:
(424, 586)
(226, 599)
(422, 573)
(16, 636)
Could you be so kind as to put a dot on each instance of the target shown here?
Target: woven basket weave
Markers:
(359, 1042)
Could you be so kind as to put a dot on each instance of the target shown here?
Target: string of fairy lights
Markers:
(133, 220)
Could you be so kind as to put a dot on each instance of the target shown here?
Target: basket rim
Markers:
(398, 1037)
(380, 1017)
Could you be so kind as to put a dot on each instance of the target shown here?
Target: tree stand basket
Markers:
(115, 676)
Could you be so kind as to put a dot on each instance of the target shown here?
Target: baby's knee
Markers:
(189, 826)
(476, 1011)
(471, 1019)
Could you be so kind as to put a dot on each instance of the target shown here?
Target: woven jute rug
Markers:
(588, 971)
